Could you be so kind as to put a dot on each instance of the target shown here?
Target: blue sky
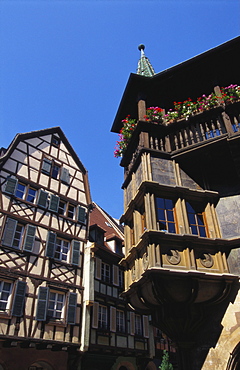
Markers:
(66, 63)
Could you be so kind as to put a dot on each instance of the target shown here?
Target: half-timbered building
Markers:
(44, 205)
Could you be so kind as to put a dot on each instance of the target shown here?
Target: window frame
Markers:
(170, 219)
(102, 317)
(197, 214)
(9, 298)
(61, 251)
(105, 272)
(138, 325)
(55, 308)
(120, 321)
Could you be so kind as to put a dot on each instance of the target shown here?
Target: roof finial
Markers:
(144, 66)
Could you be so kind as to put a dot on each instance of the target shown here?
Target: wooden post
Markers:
(226, 119)
(141, 109)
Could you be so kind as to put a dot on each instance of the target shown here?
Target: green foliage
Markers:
(165, 365)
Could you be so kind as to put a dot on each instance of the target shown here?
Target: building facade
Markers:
(44, 205)
(181, 202)
(116, 337)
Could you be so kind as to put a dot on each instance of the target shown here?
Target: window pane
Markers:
(161, 214)
(31, 195)
(169, 204)
(202, 231)
(170, 216)
(171, 228)
(160, 203)
(20, 190)
(194, 230)
(55, 171)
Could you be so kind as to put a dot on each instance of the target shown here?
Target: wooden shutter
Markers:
(42, 198)
(42, 303)
(29, 238)
(115, 275)
(72, 307)
(65, 177)
(95, 315)
(10, 186)
(145, 326)
(132, 323)
(75, 252)
(112, 319)
(46, 166)
(9, 232)
(50, 244)
(81, 215)
(54, 202)
(98, 265)
(19, 298)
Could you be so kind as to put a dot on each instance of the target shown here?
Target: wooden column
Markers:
(141, 109)
(226, 119)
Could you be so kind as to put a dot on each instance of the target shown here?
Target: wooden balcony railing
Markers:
(183, 133)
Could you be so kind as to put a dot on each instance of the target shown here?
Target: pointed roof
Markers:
(144, 66)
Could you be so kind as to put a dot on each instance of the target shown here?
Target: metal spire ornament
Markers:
(144, 66)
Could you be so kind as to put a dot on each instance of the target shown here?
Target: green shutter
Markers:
(10, 186)
(42, 304)
(9, 232)
(75, 252)
(19, 298)
(54, 202)
(72, 307)
(65, 177)
(81, 214)
(42, 198)
(46, 166)
(50, 244)
(29, 238)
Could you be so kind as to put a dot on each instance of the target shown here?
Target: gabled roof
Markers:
(47, 131)
(107, 223)
(192, 78)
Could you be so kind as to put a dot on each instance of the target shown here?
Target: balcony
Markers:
(183, 134)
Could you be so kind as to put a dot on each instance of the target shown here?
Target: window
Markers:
(102, 317)
(138, 325)
(31, 195)
(121, 278)
(55, 171)
(56, 141)
(16, 307)
(196, 220)
(55, 305)
(5, 293)
(61, 207)
(13, 235)
(71, 211)
(105, 272)
(51, 168)
(17, 236)
(165, 215)
(61, 249)
(25, 192)
(120, 321)
(20, 190)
